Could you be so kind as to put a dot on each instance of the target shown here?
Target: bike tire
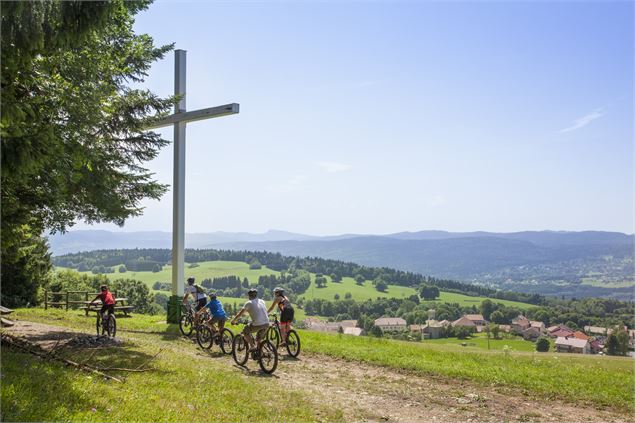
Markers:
(204, 337)
(112, 326)
(240, 350)
(227, 341)
(185, 325)
(293, 343)
(268, 357)
(273, 336)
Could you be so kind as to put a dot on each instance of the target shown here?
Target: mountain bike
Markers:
(187, 319)
(265, 354)
(206, 337)
(107, 326)
(274, 336)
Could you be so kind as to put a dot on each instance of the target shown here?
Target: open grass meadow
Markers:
(184, 385)
(478, 342)
(599, 380)
(212, 269)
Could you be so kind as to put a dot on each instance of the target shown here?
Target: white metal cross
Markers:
(179, 119)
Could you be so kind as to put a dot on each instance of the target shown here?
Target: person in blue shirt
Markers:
(215, 309)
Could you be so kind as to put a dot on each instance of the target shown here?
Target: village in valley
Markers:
(563, 339)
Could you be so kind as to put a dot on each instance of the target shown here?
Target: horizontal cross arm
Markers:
(185, 117)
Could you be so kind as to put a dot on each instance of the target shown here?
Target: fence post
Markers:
(66, 300)
(86, 292)
(46, 299)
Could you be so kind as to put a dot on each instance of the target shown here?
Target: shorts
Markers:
(261, 329)
(287, 315)
(110, 308)
(218, 319)
(200, 303)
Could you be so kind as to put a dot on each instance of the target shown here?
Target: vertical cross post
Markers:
(178, 187)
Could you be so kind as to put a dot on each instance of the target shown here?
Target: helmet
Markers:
(103, 288)
(212, 295)
(278, 290)
(252, 292)
(190, 281)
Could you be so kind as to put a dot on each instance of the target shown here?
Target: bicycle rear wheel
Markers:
(273, 336)
(204, 337)
(293, 343)
(268, 357)
(112, 325)
(240, 350)
(185, 325)
(226, 341)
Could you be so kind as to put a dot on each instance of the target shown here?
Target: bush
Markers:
(462, 332)
(255, 264)
(348, 296)
(156, 268)
(542, 344)
(336, 296)
(162, 286)
(122, 269)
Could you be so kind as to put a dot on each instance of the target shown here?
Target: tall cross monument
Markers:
(179, 119)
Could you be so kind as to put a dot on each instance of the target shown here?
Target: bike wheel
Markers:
(240, 350)
(226, 341)
(293, 343)
(112, 326)
(185, 324)
(273, 336)
(98, 324)
(268, 357)
(204, 337)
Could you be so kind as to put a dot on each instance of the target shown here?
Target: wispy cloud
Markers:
(584, 120)
(333, 167)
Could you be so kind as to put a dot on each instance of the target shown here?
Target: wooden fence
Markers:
(53, 299)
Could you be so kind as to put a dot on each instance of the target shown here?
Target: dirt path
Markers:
(376, 394)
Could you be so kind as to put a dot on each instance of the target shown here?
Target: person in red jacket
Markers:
(107, 301)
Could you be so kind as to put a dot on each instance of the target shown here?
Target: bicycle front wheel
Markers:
(268, 357)
(226, 341)
(240, 350)
(185, 325)
(273, 336)
(204, 337)
(293, 343)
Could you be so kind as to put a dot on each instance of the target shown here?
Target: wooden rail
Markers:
(84, 304)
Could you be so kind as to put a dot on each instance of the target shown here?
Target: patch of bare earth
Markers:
(368, 393)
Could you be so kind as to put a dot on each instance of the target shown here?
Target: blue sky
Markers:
(378, 117)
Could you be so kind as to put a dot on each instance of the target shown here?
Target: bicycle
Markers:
(206, 337)
(186, 322)
(274, 336)
(108, 326)
(265, 354)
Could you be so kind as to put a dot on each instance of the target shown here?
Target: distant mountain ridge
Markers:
(545, 262)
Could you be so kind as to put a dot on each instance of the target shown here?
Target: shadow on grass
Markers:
(255, 373)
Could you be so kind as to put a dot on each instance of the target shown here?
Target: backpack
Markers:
(199, 289)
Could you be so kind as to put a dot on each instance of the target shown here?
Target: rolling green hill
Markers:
(213, 269)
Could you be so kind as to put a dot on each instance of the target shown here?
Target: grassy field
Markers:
(602, 381)
(479, 342)
(212, 269)
(605, 381)
(185, 386)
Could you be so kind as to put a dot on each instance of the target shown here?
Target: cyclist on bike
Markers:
(107, 301)
(215, 309)
(286, 312)
(198, 293)
(257, 310)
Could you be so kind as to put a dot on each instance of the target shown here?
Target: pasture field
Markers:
(478, 342)
(598, 380)
(212, 269)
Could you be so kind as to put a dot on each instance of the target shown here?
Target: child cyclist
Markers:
(286, 312)
(107, 301)
(215, 309)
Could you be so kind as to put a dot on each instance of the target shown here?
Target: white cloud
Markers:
(333, 167)
(584, 120)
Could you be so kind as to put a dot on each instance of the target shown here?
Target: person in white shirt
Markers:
(197, 292)
(257, 310)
